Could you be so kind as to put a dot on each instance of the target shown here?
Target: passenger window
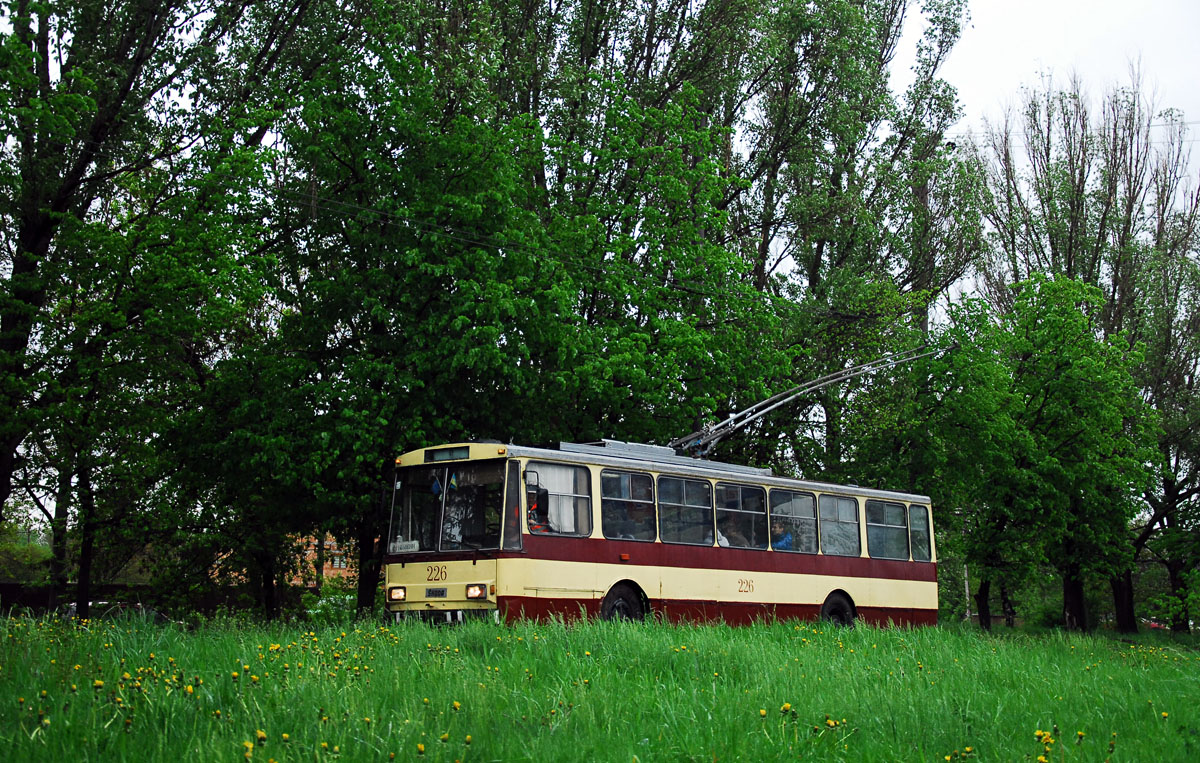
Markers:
(741, 516)
(918, 531)
(627, 505)
(839, 526)
(793, 522)
(559, 499)
(685, 513)
(887, 530)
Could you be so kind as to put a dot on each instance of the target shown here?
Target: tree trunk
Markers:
(370, 562)
(319, 566)
(58, 539)
(1180, 617)
(268, 593)
(87, 511)
(1074, 603)
(983, 604)
(1122, 588)
(1006, 605)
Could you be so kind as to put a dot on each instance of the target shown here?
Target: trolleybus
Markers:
(629, 530)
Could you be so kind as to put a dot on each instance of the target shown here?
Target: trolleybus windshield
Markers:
(448, 508)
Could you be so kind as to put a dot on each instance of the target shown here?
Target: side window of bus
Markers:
(627, 505)
(559, 499)
(839, 526)
(741, 516)
(887, 530)
(512, 508)
(918, 531)
(685, 512)
(793, 522)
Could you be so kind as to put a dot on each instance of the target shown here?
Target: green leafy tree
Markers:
(1044, 438)
(1102, 196)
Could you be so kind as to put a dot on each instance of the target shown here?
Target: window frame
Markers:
(928, 545)
(889, 529)
(821, 523)
(652, 504)
(712, 534)
(721, 512)
(791, 519)
(586, 495)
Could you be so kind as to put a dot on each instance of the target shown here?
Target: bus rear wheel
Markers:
(838, 610)
(622, 603)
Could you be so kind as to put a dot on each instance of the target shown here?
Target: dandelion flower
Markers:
(445, 737)
(762, 713)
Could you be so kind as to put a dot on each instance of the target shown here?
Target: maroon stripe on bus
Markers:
(673, 610)
(716, 558)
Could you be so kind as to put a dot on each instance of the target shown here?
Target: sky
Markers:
(1007, 44)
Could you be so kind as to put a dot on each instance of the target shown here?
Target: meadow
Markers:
(128, 690)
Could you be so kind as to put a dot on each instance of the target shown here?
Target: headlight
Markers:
(396, 594)
(477, 591)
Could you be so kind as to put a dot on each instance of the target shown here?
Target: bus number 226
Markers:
(745, 586)
(435, 572)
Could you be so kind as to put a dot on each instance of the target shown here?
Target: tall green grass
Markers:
(117, 691)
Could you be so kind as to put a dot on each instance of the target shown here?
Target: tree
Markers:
(1105, 199)
(130, 232)
(1044, 438)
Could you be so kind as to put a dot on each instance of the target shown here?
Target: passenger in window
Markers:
(538, 520)
(729, 534)
(781, 539)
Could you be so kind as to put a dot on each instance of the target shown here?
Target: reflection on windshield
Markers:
(448, 508)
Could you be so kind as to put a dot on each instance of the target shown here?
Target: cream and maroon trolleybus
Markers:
(628, 530)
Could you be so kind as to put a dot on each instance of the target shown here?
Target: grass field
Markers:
(131, 691)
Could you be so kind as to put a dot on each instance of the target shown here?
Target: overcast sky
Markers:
(1008, 43)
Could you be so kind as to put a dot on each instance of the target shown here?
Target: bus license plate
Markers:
(435, 593)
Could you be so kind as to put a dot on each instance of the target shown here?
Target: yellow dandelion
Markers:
(420, 749)
(762, 713)
(189, 689)
(457, 705)
(260, 735)
(97, 684)
(1164, 715)
(285, 737)
(468, 739)
(786, 706)
(445, 737)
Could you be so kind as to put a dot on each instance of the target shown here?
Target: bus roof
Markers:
(627, 455)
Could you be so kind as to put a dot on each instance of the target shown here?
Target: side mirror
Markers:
(531, 478)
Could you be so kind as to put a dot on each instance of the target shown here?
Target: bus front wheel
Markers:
(622, 603)
(838, 610)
